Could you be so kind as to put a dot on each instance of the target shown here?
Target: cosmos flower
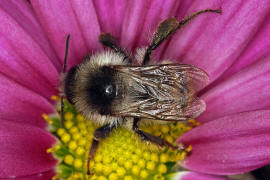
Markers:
(233, 48)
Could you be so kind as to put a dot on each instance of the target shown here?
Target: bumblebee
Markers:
(114, 88)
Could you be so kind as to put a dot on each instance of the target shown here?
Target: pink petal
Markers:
(25, 53)
(141, 20)
(185, 175)
(257, 49)
(157, 11)
(22, 13)
(39, 176)
(245, 91)
(133, 22)
(110, 15)
(77, 18)
(20, 104)
(213, 42)
(229, 145)
(23, 150)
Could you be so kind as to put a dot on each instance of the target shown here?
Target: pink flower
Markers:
(233, 48)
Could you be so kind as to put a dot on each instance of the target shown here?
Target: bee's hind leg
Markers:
(99, 134)
(168, 27)
(155, 139)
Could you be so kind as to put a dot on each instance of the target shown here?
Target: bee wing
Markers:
(165, 92)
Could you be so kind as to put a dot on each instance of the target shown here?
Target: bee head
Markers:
(93, 86)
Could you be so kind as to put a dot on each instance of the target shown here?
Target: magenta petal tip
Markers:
(230, 145)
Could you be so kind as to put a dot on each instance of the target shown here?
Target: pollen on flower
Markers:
(150, 165)
(68, 159)
(128, 165)
(135, 170)
(158, 177)
(141, 163)
(72, 145)
(102, 178)
(113, 176)
(144, 174)
(69, 116)
(47, 118)
(78, 163)
(122, 155)
(68, 124)
(80, 151)
(162, 168)
(50, 150)
(53, 149)
(121, 171)
(128, 178)
(55, 98)
(193, 122)
(56, 177)
(188, 149)
(60, 131)
(65, 137)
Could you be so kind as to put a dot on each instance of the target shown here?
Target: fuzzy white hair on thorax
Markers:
(107, 58)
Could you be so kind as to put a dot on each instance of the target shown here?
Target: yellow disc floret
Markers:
(122, 155)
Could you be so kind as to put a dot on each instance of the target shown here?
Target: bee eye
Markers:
(110, 90)
(107, 92)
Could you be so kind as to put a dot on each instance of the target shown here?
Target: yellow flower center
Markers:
(122, 155)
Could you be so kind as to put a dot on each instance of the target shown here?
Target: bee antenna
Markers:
(63, 71)
(66, 54)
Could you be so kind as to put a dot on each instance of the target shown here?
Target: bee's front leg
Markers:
(155, 139)
(99, 134)
(109, 41)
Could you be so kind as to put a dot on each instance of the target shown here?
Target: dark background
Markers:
(262, 173)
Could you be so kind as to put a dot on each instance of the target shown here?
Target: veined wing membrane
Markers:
(164, 92)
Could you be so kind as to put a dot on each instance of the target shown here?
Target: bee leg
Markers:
(155, 139)
(99, 134)
(169, 27)
(108, 40)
